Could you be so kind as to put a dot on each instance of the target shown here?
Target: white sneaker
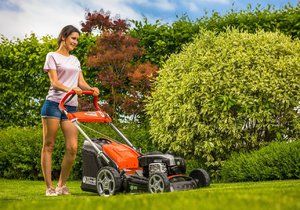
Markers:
(51, 192)
(63, 190)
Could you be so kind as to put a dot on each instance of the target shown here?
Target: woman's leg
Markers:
(71, 135)
(50, 127)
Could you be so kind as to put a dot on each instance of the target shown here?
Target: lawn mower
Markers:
(111, 167)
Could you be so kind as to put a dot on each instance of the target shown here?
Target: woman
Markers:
(65, 74)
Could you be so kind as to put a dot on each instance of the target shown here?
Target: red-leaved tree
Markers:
(116, 56)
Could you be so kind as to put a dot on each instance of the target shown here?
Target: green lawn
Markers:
(19, 194)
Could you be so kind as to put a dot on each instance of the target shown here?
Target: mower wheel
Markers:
(158, 183)
(108, 181)
(201, 177)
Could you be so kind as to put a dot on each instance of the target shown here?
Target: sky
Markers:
(19, 18)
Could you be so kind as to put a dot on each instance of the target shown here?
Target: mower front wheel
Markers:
(158, 183)
(108, 181)
(201, 177)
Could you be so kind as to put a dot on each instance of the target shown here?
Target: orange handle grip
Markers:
(72, 92)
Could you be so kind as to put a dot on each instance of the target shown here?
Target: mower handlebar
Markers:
(72, 92)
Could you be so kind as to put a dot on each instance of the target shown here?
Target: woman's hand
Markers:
(77, 90)
(95, 91)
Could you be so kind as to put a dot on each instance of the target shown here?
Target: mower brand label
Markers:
(89, 180)
(94, 114)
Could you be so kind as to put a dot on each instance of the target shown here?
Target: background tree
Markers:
(116, 56)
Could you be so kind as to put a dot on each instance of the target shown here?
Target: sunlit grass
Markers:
(20, 194)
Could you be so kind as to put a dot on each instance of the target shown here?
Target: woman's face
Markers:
(72, 41)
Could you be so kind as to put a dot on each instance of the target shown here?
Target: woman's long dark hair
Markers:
(65, 32)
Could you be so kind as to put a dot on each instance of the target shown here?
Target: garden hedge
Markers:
(20, 149)
(279, 160)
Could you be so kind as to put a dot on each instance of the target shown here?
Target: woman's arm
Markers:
(56, 84)
(85, 86)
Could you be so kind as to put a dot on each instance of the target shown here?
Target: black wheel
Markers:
(108, 181)
(201, 177)
(158, 183)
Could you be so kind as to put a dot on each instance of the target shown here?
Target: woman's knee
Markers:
(71, 149)
(48, 145)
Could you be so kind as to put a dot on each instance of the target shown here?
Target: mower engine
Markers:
(157, 162)
(157, 168)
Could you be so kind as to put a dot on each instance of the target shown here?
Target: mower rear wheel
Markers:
(201, 177)
(158, 183)
(108, 181)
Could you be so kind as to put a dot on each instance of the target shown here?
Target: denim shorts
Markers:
(50, 110)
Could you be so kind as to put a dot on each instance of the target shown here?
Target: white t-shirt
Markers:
(68, 69)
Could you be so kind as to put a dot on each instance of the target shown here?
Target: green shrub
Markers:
(279, 160)
(227, 92)
(20, 149)
(20, 153)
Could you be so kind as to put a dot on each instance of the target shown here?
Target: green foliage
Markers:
(20, 149)
(224, 93)
(279, 160)
(139, 136)
(285, 20)
(23, 83)
(20, 152)
(161, 40)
